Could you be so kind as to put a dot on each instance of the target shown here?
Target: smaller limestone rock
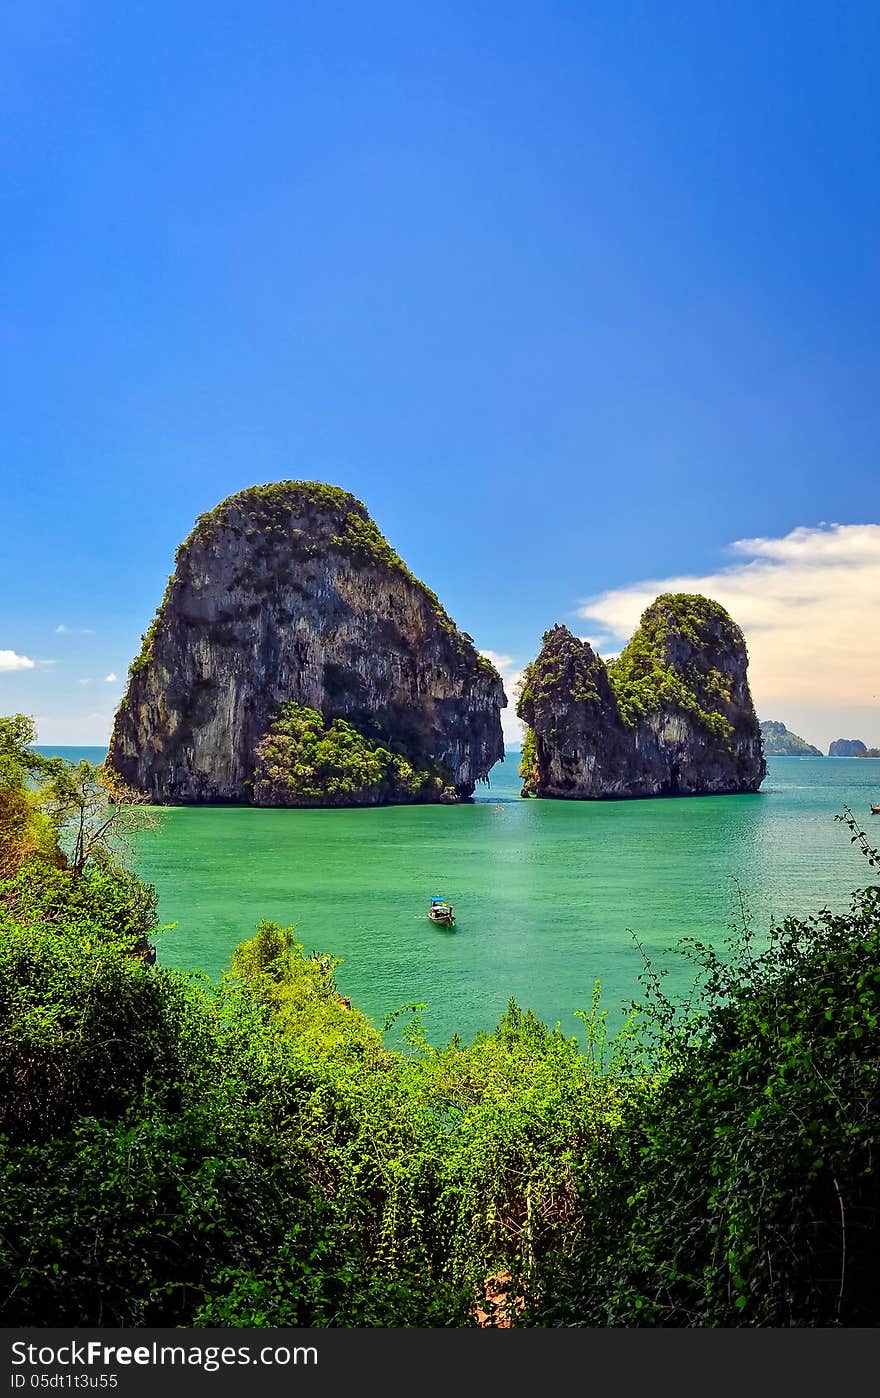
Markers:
(671, 716)
(847, 747)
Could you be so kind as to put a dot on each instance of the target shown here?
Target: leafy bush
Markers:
(304, 760)
(742, 1185)
(25, 831)
(687, 627)
(174, 1152)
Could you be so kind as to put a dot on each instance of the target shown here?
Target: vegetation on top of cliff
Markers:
(304, 759)
(252, 1154)
(670, 661)
(566, 669)
(145, 654)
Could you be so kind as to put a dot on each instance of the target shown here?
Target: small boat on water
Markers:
(875, 810)
(441, 912)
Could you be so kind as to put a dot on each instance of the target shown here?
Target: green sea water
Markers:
(548, 894)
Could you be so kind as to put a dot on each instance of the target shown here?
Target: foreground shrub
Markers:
(743, 1188)
(178, 1153)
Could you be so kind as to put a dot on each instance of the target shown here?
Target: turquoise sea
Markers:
(548, 894)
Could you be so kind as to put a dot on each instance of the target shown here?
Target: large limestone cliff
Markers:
(672, 716)
(291, 632)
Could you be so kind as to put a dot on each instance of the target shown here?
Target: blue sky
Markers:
(590, 288)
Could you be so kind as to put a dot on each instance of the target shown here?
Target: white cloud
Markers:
(806, 603)
(10, 661)
(63, 630)
(86, 681)
(111, 678)
(511, 673)
(501, 662)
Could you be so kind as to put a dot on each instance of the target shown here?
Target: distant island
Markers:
(847, 747)
(779, 741)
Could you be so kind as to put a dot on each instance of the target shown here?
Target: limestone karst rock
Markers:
(847, 747)
(671, 716)
(286, 601)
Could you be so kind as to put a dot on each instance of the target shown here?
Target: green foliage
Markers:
(741, 1187)
(664, 664)
(270, 506)
(301, 991)
(304, 760)
(145, 1163)
(25, 831)
(17, 760)
(528, 763)
(92, 812)
(84, 1029)
(451, 1163)
(566, 670)
(174, 1152)
(106, 902)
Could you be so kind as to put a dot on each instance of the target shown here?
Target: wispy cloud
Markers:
(806, 603)
(111, 678)
(10, 661)
(63, 630)
(511, 673)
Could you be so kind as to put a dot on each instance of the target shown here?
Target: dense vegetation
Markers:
(528, 759)
(304, 760)
(175, 1152)
(665, 662)
(566, 670)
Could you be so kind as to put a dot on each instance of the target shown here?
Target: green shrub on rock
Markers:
(305, 760)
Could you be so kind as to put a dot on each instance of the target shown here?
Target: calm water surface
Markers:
(547, 893)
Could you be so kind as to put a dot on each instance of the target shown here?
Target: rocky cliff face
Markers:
(779, 741)
(288, 595)
(672, 716)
